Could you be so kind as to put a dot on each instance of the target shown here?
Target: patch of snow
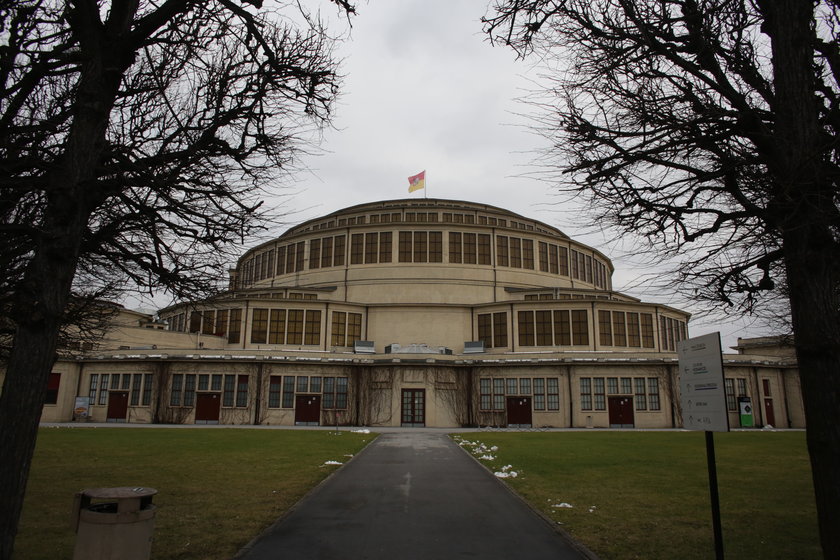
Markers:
(362, 431)
(591, 509)
(332, 463)
(563, 505)
(487, 458)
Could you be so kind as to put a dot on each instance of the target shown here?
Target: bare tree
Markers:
(710, 129)
(135, 141)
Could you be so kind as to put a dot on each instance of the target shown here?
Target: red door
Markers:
(207, 408)
(117, 406)
(519, 412)
(307, 410)
(769, 415)
(621, 412)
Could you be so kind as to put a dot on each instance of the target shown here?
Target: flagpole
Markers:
(425, 184)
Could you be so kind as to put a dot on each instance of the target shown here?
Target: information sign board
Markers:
(702, 392)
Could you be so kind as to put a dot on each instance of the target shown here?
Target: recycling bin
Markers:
(114, 523)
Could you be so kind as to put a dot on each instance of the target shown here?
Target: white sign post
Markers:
(702, 392)
(703, 398)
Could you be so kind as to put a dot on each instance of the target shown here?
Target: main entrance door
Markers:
(413, 407)
(621, 412)
(207, 408)
(117, 406)
(519, 412)
(307, 410)
(769, 414)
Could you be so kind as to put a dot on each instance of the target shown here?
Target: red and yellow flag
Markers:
(417, 182)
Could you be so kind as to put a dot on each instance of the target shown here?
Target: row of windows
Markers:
(493, 391)
(139, 386)
(620, 328)
(283, 389)
(535, 328)
(593, 391)
(425, 247)
(426, 216)
(234, 389)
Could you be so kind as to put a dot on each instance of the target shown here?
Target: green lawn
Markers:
(645, 495)
(218, 488)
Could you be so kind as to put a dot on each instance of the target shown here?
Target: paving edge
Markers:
(586, 552)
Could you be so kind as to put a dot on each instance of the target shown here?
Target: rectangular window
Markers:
(405, 247)
(653, 393)
(612, 385)
(455, 247)
(189, 390)
(315, 384)
(312, 330)
(500, 334)
(294, 327)
(498, 394)
(302, 384)
(103, 390)
(259, 326)
(216, 382)
(580, 327)
(288, 391)
(175, 394)
(605, 328)
(470, 256)
(314, 253)
(195, 322)
(585, 393)
(338, 253)
(147, 389)
(221, 323)
(626, 386)
(633, 334)
(543, 256)
(203, 382)
(281, 261)
(544, 334)
(502, 251)
(326, 252)
(526, 328)
(234, 330)
(277, 327)
(435, 246)
(525, 386)
(338, 335)
(647, 330)
(528, 254)
(511, 386)
(731, 402)
(328, 399)
(301, 249)
(485, 394)
(385, 247)
(136, 388)
(564, 261)
(553, 387)
(421, 246)
(619, 329)
(598, 393)
(539, 393)
(242, 391)
(562, 328)
(483, 248)
(356, 248)
(515, 252)
(341, 393)
(274, 387)
(641, 395)
(229, 390)
(485, 329)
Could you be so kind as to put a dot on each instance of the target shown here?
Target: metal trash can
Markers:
(114, 523)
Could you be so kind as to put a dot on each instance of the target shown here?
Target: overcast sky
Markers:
(424, 90)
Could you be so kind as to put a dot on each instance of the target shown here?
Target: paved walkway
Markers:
(412, 495)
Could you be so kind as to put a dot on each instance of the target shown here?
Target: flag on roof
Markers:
(417, 182)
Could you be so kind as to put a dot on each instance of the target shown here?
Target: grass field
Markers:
(645, 495)
(218, 488)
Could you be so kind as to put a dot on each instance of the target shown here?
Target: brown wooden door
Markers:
(769, 415)
(308, 410)
(207, 407)
(117, 406)
(413, 407)
(519, 412)
(621, 412)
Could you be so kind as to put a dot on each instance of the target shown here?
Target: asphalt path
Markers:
(412, 495)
